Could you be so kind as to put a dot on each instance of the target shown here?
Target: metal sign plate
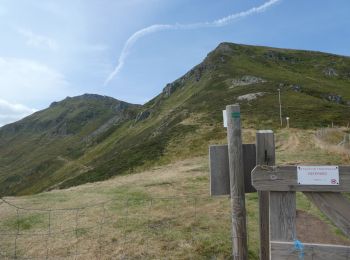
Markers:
(318, 175)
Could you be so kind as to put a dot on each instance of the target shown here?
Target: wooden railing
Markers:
(281, 182)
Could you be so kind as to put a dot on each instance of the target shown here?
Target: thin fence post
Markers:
(265, 155)
(76, 233)
(234, 137)
(48, 236)
(17, 233)
(102, 222)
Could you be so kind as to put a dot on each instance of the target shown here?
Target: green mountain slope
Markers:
(33, 149)
(179, 122)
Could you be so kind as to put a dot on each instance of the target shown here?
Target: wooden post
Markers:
(265, 155)
(234, 137)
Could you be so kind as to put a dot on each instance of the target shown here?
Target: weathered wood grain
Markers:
(335, 206)
(239, 229)
(282, 215)
(284, 178)
(220, 172)
(286, 251)
(265, 155)
(249, 163)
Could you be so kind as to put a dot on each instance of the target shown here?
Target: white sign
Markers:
(318, 175)
(224, 115)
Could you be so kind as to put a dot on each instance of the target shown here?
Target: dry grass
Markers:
(165, 212)
(330, 138)
(161, 213)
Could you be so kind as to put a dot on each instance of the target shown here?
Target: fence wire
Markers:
(154, 228)
(328, 133)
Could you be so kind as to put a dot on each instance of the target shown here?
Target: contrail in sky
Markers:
(162, 27)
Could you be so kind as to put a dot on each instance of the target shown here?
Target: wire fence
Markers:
(188, 227)
(152, 228)
(336, 137)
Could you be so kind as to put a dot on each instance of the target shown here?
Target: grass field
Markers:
(157, 213)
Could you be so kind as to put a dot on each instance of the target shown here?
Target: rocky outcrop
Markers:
(280, 56)
(250, 96)
(247, 80)
(198, 71)
(194, 74)
(334, 98)
(142, 116)
(296, 88)
(330, 72)
(224, 48)
(122, 106)
(170, 89)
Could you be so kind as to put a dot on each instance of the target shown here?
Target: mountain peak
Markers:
(86, 96)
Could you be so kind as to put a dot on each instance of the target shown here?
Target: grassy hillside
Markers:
(164, 212)
(34, 149)
(181, 121)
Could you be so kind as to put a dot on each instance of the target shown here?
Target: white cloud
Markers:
(29, 82)
(259, 9)
(38, 41)
(131, 41)
(11, 112)
(160, 27)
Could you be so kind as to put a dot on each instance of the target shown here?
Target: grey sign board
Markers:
(219, 168)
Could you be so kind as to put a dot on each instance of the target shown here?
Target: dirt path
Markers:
(311, 229)
(291, 144)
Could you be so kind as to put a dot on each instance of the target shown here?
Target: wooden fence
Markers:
(276, 187)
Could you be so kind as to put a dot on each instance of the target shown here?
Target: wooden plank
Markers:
(239, 229)
(282, 215)
(249, 163)
(284, 178)
(286, 251)
(265, 155)
(335, 206)
(220, 172)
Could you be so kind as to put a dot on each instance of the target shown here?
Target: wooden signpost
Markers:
(228, 178)
(230, 167)
(235, 158)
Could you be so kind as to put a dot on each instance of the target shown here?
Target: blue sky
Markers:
(53, 49)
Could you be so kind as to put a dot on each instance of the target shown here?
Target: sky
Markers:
(130, 49)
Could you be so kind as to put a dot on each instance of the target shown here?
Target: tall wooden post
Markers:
(234, 137)
(265, 155)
